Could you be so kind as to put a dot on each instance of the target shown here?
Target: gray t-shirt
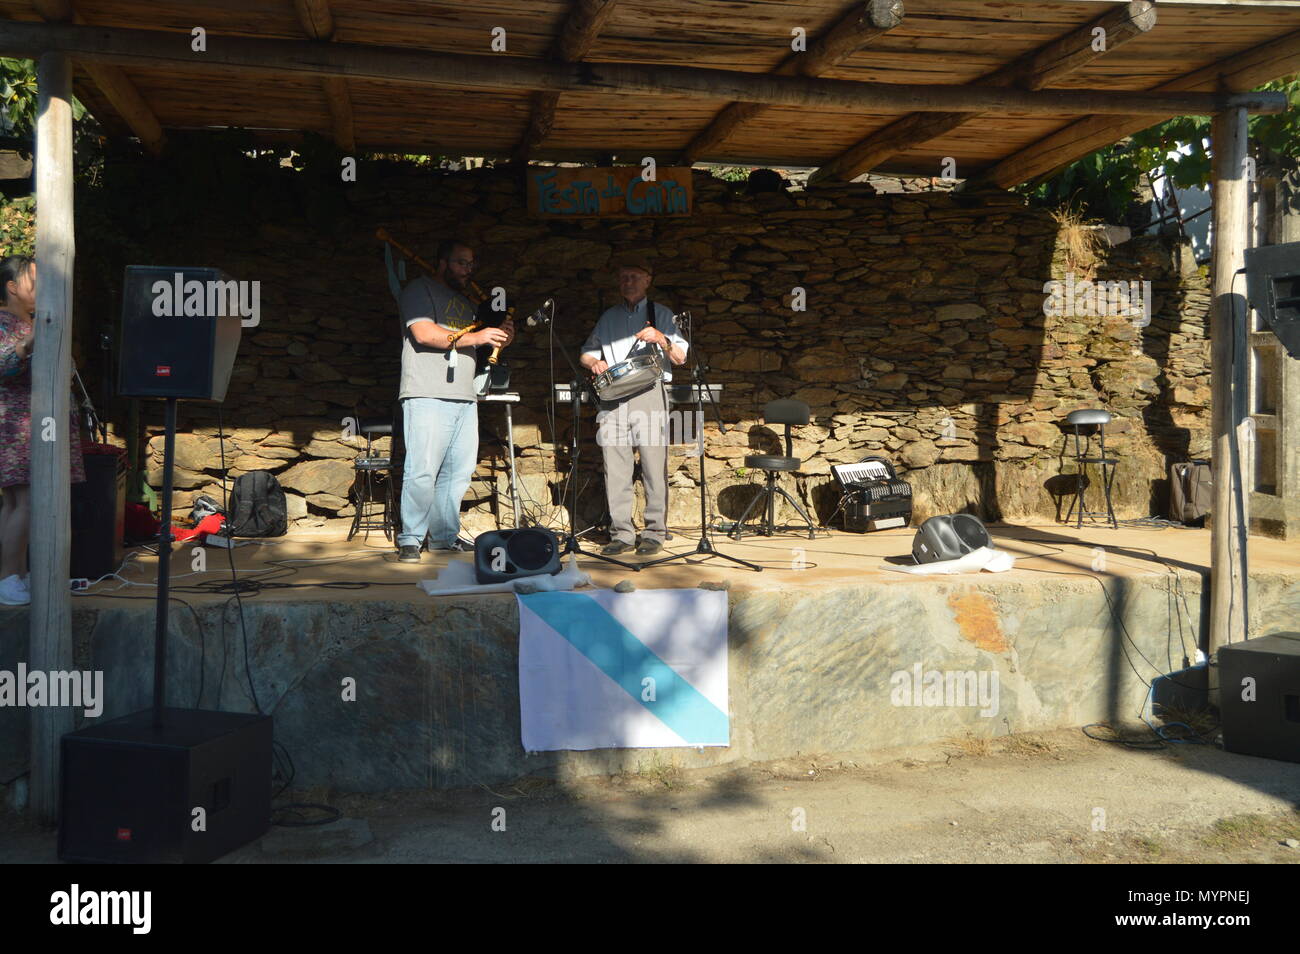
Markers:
(435, 372)
(614, 337)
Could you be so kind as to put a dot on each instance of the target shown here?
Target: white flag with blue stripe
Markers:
(601, 669)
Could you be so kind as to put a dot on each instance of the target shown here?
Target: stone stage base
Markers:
(817, 640)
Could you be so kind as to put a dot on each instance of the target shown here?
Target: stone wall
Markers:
(924, 339)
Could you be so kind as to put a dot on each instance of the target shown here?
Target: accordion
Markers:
(872, 495)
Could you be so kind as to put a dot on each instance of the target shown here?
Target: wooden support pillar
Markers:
(51, 608)
(1228, 622)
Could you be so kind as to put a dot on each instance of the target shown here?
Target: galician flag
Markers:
(602, 670)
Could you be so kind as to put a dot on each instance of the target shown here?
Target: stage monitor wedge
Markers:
(1273, 288)
(180, 332)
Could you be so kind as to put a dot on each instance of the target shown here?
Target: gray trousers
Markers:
(637, 423)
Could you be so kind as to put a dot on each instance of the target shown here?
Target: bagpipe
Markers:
(490, 373)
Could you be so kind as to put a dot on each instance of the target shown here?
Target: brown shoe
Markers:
(648, 547)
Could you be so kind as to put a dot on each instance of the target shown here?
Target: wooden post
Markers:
(1227, 334)
(51, 609)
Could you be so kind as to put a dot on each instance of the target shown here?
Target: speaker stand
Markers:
(705, 547)
(164, 569)
(580, 385)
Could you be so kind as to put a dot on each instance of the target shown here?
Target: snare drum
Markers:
(629, 377)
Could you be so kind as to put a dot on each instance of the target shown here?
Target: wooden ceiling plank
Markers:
(1244, 71)
(1045, 65)
(854, 30)
(117, 89)
(583, 24)
(245, 57)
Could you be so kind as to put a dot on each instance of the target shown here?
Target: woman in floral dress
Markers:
(17, 302)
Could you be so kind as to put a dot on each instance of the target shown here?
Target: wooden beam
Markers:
(55, 11)
(585, 21)
(315, 17)
(1044, 66)
(117, 88)
(318, 23)
(51, 501)
(1243, 71)
(124, 97)
(245, 55)
(340, 103)
(1228, 360)
(862, 24)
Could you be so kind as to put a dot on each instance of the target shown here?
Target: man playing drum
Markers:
(624, 337)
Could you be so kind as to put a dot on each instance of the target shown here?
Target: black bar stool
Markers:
(788, 412)
(1086, 423)
(374, 478)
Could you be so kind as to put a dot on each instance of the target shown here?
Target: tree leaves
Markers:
(1102, 185)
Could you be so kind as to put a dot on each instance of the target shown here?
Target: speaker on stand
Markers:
(169, 784)
(1273, 288)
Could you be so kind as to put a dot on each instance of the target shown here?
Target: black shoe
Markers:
(614, 548)
(408, 554)
(648, 547)
(458, 546)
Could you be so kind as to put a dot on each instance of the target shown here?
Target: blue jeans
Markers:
(441, 454)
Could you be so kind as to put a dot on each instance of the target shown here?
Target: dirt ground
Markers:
(1044, 798)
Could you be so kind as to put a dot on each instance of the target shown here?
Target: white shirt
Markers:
(614, 337)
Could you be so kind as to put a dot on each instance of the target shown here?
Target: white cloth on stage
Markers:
(982, 558)
(458, 578)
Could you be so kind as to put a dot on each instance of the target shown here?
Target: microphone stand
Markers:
(705, 547)
(580, 384)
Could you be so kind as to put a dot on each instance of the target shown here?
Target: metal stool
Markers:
(372, 514)
(1085, 424)
(788, 412)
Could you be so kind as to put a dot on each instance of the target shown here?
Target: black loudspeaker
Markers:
(501, 555)
(1273, 287)
(180, 332)
(948, 537)
(98, 517)
(129, 790)
(1259, 696)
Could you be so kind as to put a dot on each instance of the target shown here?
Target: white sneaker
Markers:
(13, 591)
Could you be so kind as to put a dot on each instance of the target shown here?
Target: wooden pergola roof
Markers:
(285, 66)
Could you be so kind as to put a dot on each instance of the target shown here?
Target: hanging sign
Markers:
(613, 192)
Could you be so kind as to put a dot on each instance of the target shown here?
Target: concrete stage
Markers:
(814, 641)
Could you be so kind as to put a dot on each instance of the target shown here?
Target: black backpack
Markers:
(257, 507)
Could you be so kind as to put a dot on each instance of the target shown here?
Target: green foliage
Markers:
(1103, 185)
(18, 226)
(730, 173)
(18, 98)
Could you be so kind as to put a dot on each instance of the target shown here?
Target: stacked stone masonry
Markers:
(923, 339)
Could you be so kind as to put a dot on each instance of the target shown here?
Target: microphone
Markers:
(543, 315)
